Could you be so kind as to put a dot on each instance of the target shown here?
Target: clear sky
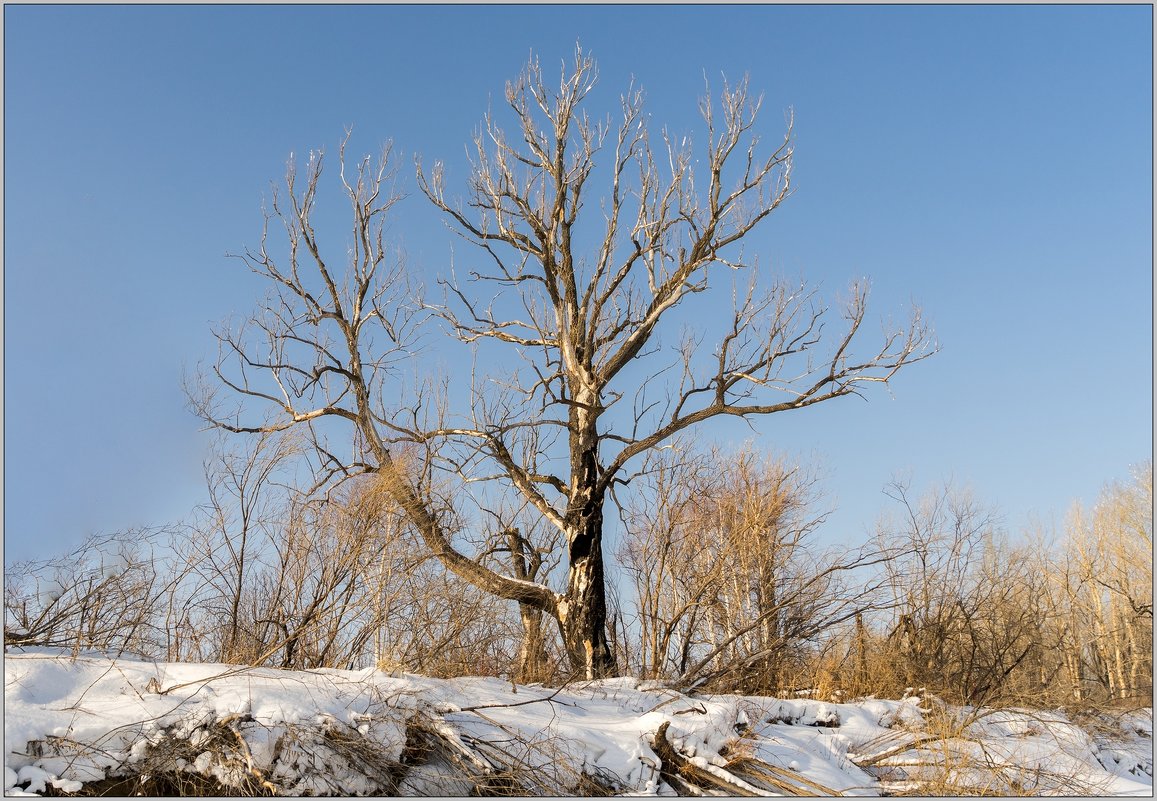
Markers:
(992, 163)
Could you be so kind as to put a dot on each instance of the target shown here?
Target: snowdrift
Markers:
(96, 724)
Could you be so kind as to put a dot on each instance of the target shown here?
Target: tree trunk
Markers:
(583, 618)
(1137, 659)
(861, 654)
(531, 664)
(582, 614)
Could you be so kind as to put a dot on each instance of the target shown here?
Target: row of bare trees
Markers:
(1102, 593)
(723, 584)
(730, 587)
(1049, 617)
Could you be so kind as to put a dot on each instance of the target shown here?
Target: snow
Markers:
(74, 720)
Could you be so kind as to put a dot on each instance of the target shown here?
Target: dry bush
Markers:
(730, 588)
(963, 751)
(302, 579)
(441, 626)
(853, 661)
(112, 594)
(351, 587)
(982, 619)
(967, 614)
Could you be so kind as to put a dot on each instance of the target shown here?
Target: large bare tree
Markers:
(577, 290)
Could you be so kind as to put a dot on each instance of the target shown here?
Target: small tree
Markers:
(243, 515)
(579, 296)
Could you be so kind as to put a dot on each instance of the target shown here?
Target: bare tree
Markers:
(579, 297)
(241, 520)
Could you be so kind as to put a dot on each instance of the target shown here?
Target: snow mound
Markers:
(76, 721)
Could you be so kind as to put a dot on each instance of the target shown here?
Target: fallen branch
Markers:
(227, 723)
(871, 760)
(518, 703)
(688, 778)
(777, 779)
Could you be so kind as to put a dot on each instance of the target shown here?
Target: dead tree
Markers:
(583, 309)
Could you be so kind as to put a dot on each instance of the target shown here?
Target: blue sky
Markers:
(991, 163)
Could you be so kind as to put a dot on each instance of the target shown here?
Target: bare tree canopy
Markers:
(577, 285)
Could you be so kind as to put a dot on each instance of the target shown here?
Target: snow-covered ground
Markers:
(71, 721)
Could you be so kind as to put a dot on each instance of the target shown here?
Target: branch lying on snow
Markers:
(689, 778)
(777, 779)
(227, 723)
(490, 769)
(742, 776)
(518, 703)
(437, 732)
(911, 742)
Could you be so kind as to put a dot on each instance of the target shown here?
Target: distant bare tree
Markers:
(580, 297)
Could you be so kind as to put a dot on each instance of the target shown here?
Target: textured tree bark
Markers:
(583, 618)
(584, 609)
(532, 650)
